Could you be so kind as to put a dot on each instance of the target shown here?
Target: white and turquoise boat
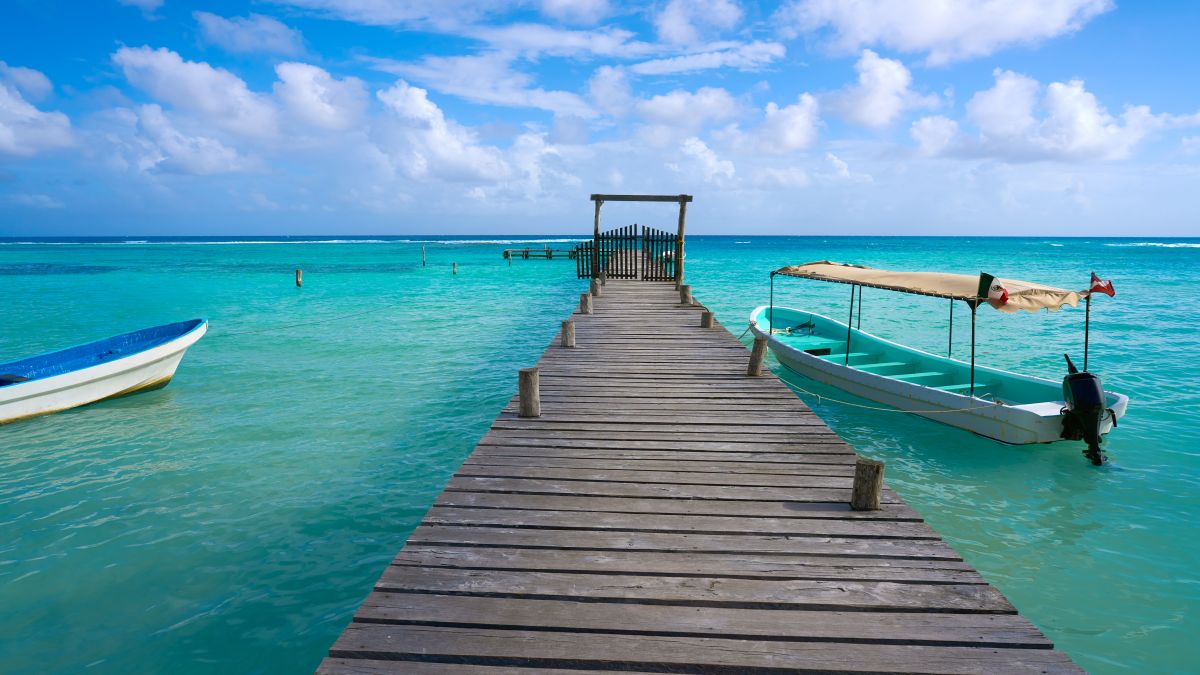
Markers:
(116, 366)
(1005, 406)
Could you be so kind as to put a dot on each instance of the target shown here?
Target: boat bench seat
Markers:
(842, 356)
(917, 376)
(885, 364)
(966, 386)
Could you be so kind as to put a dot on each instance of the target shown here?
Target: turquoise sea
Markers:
(232, 521)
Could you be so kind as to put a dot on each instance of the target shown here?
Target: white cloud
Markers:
(197, 87)
(486, 78)
(1068, 123)
(609, 90)
(318, 98)
(25, 130)
(746, 57)
(711, 166)
(426, 144)
(180, 153)
(881, 94)
(841, 171)
(532, 39)
(254, 33)
(443, 14)
(682, 21)
(933, 134)
(945, 31)
(685, 108)
(32, 83)
(786, 177)
(576, 11)
(782, 131)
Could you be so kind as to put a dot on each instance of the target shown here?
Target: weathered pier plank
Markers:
(666, 512)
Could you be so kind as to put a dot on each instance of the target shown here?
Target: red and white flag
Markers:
(1101, 286)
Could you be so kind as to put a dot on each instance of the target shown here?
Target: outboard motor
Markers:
(1085, 410)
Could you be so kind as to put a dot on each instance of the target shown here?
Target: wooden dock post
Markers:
(568, 333)
(585, 303)
(423, 255)
(453, 268)
(594, 288)
(757, 355)
(707, 319)
(868, 485)
(299, 278)
(528, 389)
(685, 294)
(603, 277)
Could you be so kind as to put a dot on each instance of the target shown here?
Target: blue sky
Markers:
(1030, 117)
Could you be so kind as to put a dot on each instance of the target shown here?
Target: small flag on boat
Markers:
(992, 290)
(1101, 286)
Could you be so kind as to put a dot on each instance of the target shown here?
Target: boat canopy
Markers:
(1017, 295)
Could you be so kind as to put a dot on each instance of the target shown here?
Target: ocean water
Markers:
(233, 521)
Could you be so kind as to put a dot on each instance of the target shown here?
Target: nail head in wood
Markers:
(568, 333)
(585, 303)
(757, 354)
(708, 319)
(527, 388)
(868, 485)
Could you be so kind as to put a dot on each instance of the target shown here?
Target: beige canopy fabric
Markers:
(1011, 296)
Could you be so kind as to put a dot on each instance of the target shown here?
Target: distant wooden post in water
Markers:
(299, 278)
(868, 485)
(528, 386)
(422, 255)
(568, 333)
(585, 303)
(453, 268)
(707, 319)
(757, 354)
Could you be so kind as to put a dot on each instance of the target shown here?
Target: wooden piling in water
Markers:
(868, 485)
(568, 333)
(453, 268)
(528, 386)
(757, 355)
(422, 255)
(299, 278)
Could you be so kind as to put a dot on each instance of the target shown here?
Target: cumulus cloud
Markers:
(576, 11)
(682, 21)
(486, 78)
(181, 153)
(944, 31)
(682, 113)
(782, 130)
(609, 90)
(746, 57)
(1066, 123)
(532, 39)
(254, 33)
(424, 144)
(24, 129)
(712, 168)
(317, 98)
(880, 95)
(197, 87)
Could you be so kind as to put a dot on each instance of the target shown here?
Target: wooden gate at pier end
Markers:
(660, 271)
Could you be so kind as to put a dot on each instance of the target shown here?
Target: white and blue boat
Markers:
(139, 361)
(998, 404)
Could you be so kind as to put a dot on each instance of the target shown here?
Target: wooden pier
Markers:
(668, 513)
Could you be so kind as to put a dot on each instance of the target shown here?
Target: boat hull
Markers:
(144, 370)
(1039, 421)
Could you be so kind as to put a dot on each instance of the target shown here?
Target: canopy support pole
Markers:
(859, 322)
(974, 306)
(950, 341)
(1087, 326)
(849, 322)
(771, 311)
